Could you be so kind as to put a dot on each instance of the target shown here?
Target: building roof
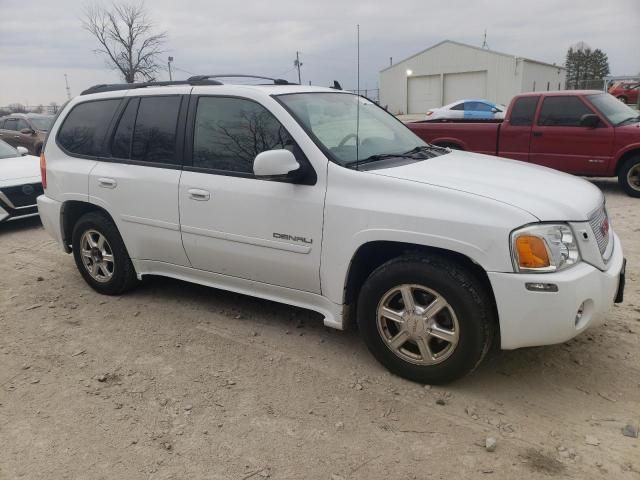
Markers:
(460, 44)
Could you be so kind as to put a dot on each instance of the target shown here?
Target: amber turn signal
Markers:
(532, 252)
(43, 170)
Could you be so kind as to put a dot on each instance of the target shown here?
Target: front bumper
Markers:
(529, 318)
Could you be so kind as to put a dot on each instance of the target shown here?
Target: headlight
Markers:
(544, 248)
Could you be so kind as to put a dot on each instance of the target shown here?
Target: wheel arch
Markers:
(628, 153)
(70, 213)
(372, 254)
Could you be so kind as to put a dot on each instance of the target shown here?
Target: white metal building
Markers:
(450, 71)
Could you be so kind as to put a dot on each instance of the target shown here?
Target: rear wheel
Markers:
(101, 256)
(426, 318)
(629, 176)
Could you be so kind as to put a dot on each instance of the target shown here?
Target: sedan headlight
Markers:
(544, 248)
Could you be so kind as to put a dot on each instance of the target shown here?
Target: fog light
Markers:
(541, 287)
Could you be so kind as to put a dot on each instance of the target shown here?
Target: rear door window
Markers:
(523, 111)
(154, 135)
(83, 131)
(562, 112)
(11, 124)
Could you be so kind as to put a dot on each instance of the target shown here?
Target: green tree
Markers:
(586, 68)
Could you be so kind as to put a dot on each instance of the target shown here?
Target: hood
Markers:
(547, 194)
(19, 170)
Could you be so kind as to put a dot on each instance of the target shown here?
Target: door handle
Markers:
(199, 195)
(537, 134)
(107, 183)
(16, 136)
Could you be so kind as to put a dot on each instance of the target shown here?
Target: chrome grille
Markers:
(596, 221)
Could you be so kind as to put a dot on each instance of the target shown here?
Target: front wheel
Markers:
(629, 176)
(101, 255)
(426, 319)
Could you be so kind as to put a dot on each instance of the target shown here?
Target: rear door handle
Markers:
(199, 195)
(107, 183)
(537, 134)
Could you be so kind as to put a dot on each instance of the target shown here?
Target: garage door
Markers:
(423, 93)
(464, 85)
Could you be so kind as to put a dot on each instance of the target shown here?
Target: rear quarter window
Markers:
(84, 129)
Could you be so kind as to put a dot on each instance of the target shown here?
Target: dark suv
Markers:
(25, 130)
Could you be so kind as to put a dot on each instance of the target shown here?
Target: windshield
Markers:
(612, 108)
(333, 119)
(42, 123)
(7, 151)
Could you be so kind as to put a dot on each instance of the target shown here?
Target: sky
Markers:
(41, 40)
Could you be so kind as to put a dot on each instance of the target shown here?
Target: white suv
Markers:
(318, 198)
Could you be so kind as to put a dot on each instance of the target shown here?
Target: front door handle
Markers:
(107, 183)
(537, 134)
(199, 195)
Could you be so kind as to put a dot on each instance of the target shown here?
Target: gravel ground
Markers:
(177, 381)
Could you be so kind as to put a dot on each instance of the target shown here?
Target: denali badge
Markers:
(284, 236)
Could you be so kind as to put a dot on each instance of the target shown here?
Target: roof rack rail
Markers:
(113, 87)
(195, 80)
(200, 78)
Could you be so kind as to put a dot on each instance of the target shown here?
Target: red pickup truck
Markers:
(583, 132)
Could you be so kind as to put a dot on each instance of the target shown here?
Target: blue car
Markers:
(469, 109)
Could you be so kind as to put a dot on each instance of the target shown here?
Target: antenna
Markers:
(297, 64)
(484, 40)
(66, 81)
(358, 96)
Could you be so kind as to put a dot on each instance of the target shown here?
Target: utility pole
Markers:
(169, 65)
(297, 63)
(66, 81)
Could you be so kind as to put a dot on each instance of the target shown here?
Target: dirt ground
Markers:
(178, 381)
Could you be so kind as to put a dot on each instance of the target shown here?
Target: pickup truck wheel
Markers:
(629, 176)
(425, 318)
(101, 256)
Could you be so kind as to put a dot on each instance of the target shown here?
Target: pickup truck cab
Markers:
(318, 198)
(582, 132)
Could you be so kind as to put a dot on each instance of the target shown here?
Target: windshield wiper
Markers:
(407, 154)
(427, 148)
(636, 118)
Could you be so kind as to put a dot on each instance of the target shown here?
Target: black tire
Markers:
(629, 176)
(463, 292)
(37, 150)
(123, 276)
(622, 98)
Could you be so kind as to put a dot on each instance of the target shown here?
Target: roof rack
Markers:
(195, 80)
(200, 78)
(113, 87)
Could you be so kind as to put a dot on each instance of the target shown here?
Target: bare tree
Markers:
(126, 39)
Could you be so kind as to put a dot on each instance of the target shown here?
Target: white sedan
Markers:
(471, 109)
(20, 183)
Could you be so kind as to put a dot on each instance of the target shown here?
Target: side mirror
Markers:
(590, 120)
(275, 163)
(495, 110)
(27, 131)
(22, 151)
